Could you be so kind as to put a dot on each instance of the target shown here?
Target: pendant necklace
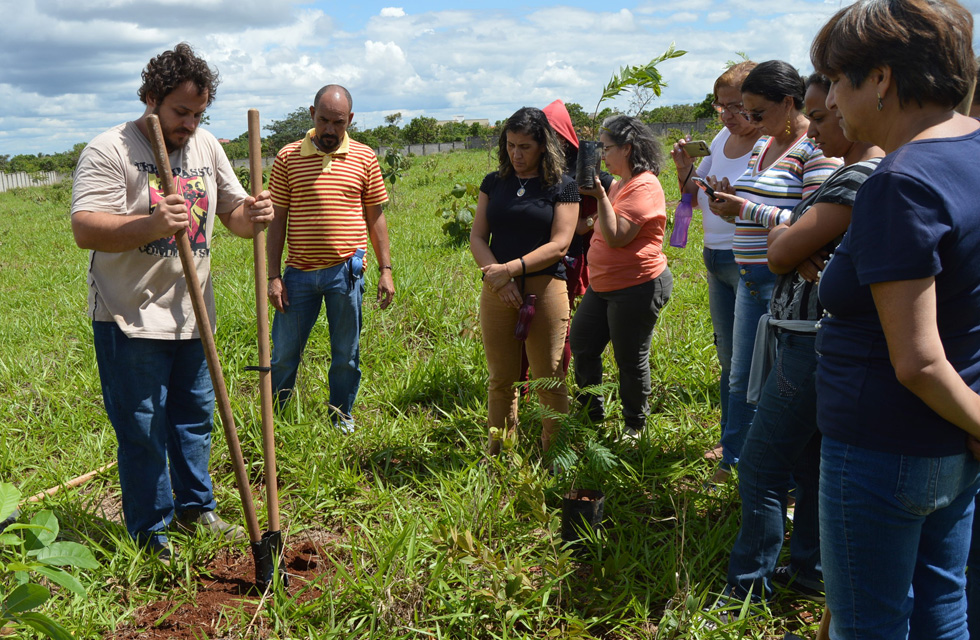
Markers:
(520, 192)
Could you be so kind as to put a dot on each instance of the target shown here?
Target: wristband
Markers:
(383, 267)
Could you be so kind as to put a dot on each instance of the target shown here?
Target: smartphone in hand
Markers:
(697, 149)
(704, 187)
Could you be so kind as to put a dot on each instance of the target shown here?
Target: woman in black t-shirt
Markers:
(525, 218)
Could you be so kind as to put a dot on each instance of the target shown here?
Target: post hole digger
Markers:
(262, 546)
(270, 546)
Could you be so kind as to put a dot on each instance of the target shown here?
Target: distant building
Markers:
(224, 140)
(467, 121)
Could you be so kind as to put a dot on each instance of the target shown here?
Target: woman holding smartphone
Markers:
(525, 217)
(782, 447)
(785, 167)
(729, 155)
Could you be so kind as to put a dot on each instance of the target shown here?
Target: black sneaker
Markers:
(720, 614)
(631, 434)
(12, 518)
(807, 588)
(592, 405)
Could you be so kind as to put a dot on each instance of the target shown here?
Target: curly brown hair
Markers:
(171, 69)
(533, 122)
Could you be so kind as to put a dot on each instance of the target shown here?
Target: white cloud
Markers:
(70, 68)
(684, 16)
(456, 98)
(657, 6)
(383, 53)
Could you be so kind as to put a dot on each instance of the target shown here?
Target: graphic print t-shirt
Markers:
(143, 290)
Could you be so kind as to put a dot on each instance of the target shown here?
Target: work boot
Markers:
(162, 552)
(193, 519)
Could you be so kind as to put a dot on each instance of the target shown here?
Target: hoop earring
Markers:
(880, 106)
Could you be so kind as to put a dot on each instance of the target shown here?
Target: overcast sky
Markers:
(70, 68)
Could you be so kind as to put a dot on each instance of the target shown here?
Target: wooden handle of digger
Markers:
(207, 336)
(262, 316)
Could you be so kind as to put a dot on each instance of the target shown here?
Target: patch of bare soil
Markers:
(225, 587)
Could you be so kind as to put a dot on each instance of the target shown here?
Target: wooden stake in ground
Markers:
(269, 548)
(74, 482)
(207, 336)
(823, 633)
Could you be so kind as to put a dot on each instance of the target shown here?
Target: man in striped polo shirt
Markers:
(327, 190)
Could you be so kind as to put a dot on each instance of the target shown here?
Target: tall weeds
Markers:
(425, 541)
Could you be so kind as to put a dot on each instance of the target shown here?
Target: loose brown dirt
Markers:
(225, 588)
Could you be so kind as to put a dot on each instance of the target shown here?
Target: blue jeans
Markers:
(160, 401)
(340, 288)
(973, 575)
(894, 535)
(755, 286)
(626, 318)
(781, 446)
(722, 286)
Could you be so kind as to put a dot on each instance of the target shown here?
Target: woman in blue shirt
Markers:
(899, 366)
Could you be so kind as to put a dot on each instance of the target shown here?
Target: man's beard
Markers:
(328, 143)
(173, 145)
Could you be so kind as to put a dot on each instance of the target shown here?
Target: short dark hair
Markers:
(774, 80)
(926, 43)
(328, 87)
(533, 122)
(818, 79)
(171, 69)
(647, 153)
(976, 88)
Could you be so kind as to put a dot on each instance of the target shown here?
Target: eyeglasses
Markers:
(731, 107)
(755, 116)
(607, 147)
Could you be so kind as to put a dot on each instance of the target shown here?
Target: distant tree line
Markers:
(582, 119)
(63, 162)
(419, 130)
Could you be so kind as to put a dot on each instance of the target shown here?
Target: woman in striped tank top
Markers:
(785, 167)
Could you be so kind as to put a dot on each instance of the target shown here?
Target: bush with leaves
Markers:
(244, 175)
(459, 208)
(394, 168)
(581, 449)
(27, 549)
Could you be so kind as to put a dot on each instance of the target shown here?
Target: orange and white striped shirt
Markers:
(325, 194)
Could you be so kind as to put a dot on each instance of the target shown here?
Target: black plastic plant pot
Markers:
(581, 510)
(266, 551)
(587, 165)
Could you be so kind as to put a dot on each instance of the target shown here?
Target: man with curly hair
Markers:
(155, 381)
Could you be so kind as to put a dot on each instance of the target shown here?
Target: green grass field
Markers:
(423, 540)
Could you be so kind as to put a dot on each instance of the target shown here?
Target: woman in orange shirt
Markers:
(629, 279)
